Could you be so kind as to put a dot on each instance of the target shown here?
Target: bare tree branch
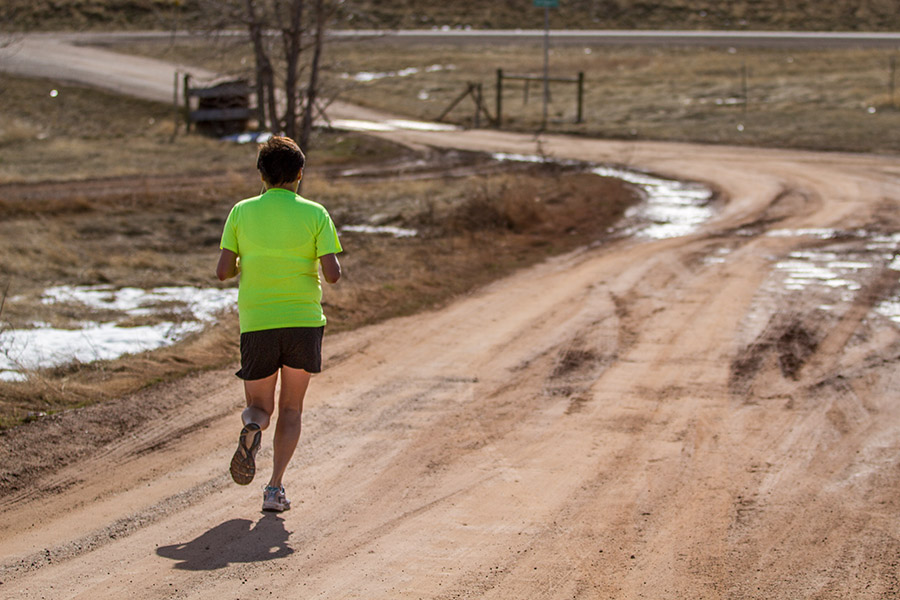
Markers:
(287, 38)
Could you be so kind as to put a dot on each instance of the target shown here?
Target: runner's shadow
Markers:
(235, 541)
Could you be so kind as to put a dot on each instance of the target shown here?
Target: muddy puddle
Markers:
(131, 320)
(840, 267)
(831, 273)
(670, 208)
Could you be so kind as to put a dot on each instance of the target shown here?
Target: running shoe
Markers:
(243, 463)
(275, 500)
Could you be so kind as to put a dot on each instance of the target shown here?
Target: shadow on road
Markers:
(234, 541)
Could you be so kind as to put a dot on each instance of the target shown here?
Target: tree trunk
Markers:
(265, 75)
(292, 37)
(313, 87)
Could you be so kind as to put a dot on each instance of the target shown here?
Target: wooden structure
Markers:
(222, 108)
(473, 90)
(578, 81)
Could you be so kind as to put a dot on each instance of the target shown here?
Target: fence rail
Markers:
(527, 78)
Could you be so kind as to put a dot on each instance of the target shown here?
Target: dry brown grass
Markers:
(627, 14)
(82, 133)
(93, 191)
(472, 231)
(821, 100)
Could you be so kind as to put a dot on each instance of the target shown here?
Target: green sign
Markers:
(546, 3)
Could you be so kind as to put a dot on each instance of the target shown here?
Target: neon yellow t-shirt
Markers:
(279, 237)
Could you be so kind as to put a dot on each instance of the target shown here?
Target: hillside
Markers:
(799, 15)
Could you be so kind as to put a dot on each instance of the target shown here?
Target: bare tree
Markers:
(287, 38)
(265, 73)
(8, 25)
(312, 89)
(291, 38)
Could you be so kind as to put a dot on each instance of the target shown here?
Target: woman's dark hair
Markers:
(280, 160)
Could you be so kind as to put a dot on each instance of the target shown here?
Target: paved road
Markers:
(65, 57)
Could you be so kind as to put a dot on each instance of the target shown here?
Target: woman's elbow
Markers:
(333, 276)
(225, 271)
(331, 268)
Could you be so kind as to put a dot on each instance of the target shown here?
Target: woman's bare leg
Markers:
(260, 395)
(294, 383)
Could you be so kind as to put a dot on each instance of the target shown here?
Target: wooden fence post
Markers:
(892, 85)
(477, 92)
(499, 98)
(175, 116)
(579, 117)
(745, 86)
(187, 103)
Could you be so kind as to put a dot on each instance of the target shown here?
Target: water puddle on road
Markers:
(831, 273)
(671, 208)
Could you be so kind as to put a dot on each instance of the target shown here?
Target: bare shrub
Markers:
(478, 213)
(513, 208)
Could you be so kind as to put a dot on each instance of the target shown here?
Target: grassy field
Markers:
(831, 99)
(801, 15)
(86, 134)
(628, 14)
(824, 100)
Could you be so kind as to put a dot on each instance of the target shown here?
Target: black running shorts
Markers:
(264, 352)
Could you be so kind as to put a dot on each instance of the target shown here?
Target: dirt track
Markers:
(657, 419)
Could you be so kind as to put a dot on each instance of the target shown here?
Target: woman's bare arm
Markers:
(227, 267)
(331, 268)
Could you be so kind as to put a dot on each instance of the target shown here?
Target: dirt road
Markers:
(709, 416)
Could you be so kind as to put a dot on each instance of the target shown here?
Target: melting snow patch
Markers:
(822, 234)
(397, 232)
(248, 137)
(837, 273)
(390, 125)
(45, 346)
(367, 76)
